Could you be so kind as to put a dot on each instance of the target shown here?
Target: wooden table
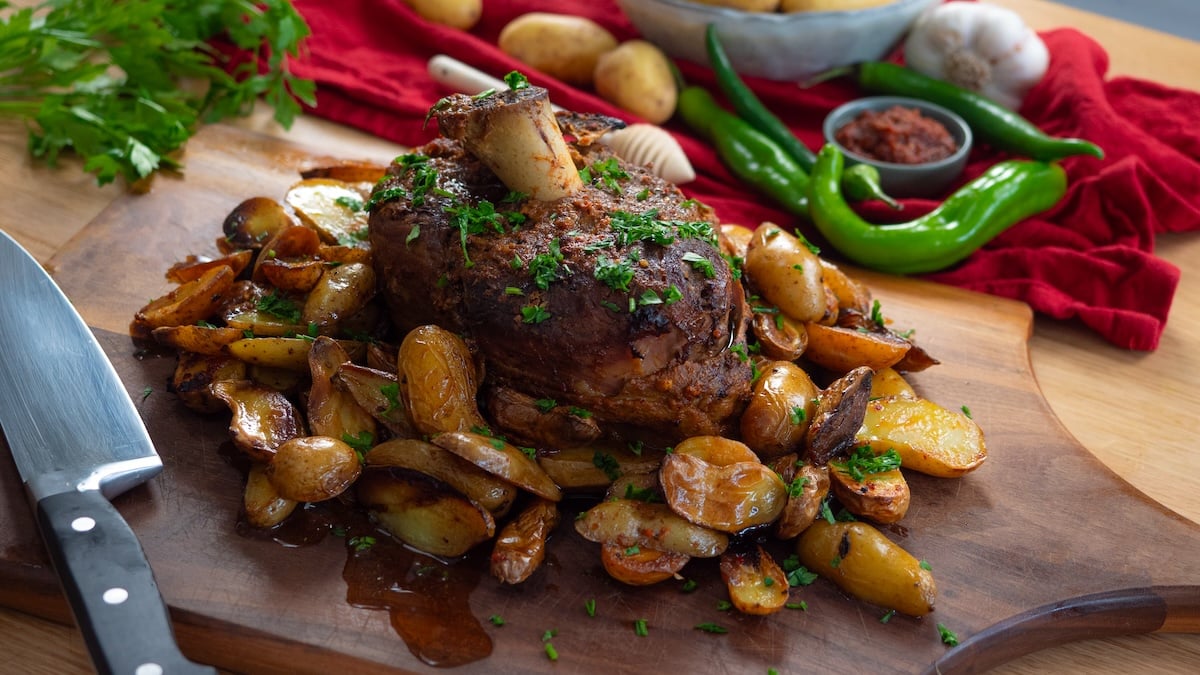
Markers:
(1134, 410)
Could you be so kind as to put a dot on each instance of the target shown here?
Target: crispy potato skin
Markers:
(929, 438)
(521, 545)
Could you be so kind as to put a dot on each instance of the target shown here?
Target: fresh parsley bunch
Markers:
(125, 83)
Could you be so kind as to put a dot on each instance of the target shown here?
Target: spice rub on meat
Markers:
(607, 292)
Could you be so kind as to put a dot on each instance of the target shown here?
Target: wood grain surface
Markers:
(1042, 545)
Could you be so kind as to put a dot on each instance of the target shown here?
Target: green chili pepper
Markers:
(860, 182)
(990, 121)
(1005, 194)
(749, 154)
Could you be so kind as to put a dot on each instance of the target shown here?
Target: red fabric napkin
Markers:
(1091, 257)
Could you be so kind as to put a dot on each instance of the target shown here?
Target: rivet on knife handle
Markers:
(104, 573)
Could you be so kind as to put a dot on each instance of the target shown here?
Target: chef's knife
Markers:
(78, 442)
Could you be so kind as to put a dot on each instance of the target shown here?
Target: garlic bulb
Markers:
(984, 48)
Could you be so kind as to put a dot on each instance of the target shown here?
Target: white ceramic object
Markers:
(645, 144)
(786, 47)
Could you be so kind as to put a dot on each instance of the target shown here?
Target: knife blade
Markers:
(78, 441)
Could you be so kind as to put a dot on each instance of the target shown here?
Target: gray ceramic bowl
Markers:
(777, 46)
(907, 180)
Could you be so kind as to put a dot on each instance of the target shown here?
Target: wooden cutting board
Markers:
(1040, 546)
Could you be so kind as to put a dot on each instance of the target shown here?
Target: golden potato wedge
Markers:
(808, 485)
(881, 496)
(595, 466)
(887, 382)
(263, 419)
(274, 352)
(735, 240)
(333, 208)
(185, 305)
(520, 547)
(850, 293)
(786, 273)
(867, 565)
(194, 373)
(728, 498)
(348, 171)
(280, 321)
(756, 583)
(193, 268)
(261, 504)
(780, 337)
(291, 242)
(332, 411)
(637, 566)
(782, 405)
(438, 376)
(344, 255)
(929, 438)
(313, 468)
(492, 493)
(290, 275)
(423, 514)
(844, 349)
(628, 522)
(254, 222)
(499, 458)
(380, 394)
(279, 379)
(715, 450)
(341, 292)
(210, 340)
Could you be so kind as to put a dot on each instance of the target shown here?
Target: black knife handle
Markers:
(110, 586)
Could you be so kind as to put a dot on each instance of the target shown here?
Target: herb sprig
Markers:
(124, 85)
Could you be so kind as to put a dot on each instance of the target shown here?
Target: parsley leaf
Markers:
(105, 80)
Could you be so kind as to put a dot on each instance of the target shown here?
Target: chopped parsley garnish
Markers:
(711, 628)
(391, 392)
(496, 620)
(608, 464)
(640, 494)
(350, 203)
(640, 628)
(545, 404)
(802, 606)
(386, 195)
(551, 652)
(361, 442)
(797, 574)
(672, 295)
(470, 220)
(864, 461)
(278, 306)
(616, 274)
(516, 81)
(363, 543)
(689, 585)
(877, 313)
(633, 550)
(948, 636)
(534, 314)
(606, 172)
(797, 414)
(724, 605)
(700, 264)
(888, 616)
(925, 565)
(513, 290)
(581, 413)
(412, 235)
(146, 392)
(966, 411)
(544, 267)
(796, 487)
(590, 607)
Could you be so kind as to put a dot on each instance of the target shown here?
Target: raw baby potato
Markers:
(564, 47)
(460, 14)
(637, 77)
